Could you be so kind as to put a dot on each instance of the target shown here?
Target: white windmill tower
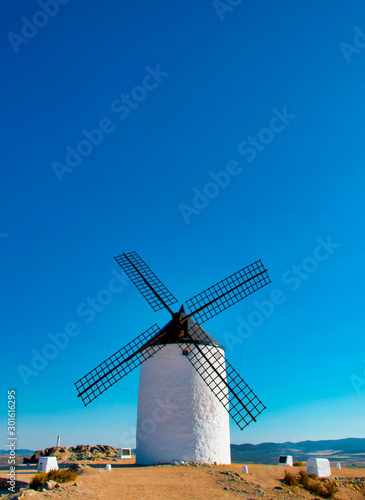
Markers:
(187, 388)
(183, 420)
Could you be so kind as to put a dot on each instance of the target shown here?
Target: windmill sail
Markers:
(205, 355)
(117, 366)
(228, 292)
(152, 289)
(226, 384)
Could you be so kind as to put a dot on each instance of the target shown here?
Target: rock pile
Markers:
(355, 483)
(74, 453)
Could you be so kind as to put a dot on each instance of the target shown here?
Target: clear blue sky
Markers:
(271, 94)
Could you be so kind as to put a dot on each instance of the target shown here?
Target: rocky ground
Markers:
(172, 482)
(75, 453)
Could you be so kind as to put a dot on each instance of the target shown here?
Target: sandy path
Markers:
(168, 482)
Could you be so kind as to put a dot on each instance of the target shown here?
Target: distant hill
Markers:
(18, 452)
(4, 456)
(350, 451)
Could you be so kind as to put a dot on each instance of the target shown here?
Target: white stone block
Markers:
(124, 453)
(244, 469)
(319, 466)
(45, 464)
(286, 460)
(338, 466)
(108, 467)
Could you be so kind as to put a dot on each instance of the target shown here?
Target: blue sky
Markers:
(204, 137)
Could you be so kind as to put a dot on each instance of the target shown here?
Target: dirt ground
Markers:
(168, 482)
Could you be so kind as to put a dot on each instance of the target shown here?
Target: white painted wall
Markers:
(179, 418)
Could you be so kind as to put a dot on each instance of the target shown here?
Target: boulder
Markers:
(80, 468)
(51, 485)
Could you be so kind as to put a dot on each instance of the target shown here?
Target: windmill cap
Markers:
(196, 332)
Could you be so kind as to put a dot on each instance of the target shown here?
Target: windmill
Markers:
(187, 388)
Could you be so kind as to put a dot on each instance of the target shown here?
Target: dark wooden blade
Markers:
(152, 289)
(117, 366)
(227, 292)
(226, 384)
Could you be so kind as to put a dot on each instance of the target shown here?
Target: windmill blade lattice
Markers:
(226, 384)
(117, 366)
(228, 292)
(152, 289)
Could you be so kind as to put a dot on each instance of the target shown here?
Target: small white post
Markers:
(58, 440)
(244, 469)
(338, 466)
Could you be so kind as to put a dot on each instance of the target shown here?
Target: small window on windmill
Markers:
(124, 453)
(186, 351)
